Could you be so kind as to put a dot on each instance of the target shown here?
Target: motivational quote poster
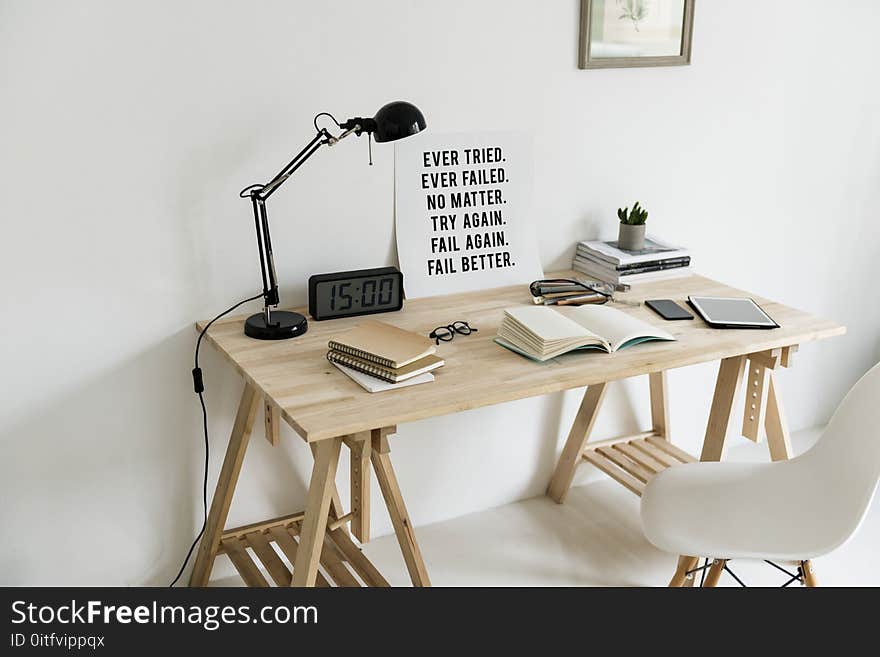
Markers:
(463, 212)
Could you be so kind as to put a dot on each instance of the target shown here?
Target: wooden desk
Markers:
(294, 382)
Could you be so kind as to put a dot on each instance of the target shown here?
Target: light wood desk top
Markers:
(320, 402)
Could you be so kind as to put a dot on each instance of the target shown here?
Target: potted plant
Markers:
(632, 228)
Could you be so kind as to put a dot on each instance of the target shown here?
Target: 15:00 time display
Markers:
(361, 292)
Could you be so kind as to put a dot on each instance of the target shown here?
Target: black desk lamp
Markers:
(393, 121)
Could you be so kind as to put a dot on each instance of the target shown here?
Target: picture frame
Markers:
(613, 33)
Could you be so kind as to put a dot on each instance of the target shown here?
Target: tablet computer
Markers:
(731, 312)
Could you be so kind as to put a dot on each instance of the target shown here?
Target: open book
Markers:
(542, 333)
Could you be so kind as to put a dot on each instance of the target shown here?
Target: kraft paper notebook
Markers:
(542, 333)
(383, 344)
(390, 374)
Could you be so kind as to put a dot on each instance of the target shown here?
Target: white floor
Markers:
(594, 539)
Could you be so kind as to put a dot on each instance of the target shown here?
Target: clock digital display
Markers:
(362, 292)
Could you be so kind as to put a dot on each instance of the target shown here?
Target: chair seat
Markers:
(739, 510)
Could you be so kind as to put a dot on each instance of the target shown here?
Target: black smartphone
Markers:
(668, 309)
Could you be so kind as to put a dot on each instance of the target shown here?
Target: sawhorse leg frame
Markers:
(633, 460)
(316, 541)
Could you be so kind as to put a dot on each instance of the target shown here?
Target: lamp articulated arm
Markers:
(260, 193)
(393, 121)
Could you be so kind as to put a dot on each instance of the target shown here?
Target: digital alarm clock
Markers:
(351, 293)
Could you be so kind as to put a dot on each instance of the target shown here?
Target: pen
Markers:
(575, 301)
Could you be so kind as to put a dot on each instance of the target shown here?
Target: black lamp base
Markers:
(284, 325)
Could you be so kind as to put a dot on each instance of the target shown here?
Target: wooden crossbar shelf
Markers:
(633, 460)
(270, 547)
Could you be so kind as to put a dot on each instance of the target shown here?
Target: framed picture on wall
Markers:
(629, 33)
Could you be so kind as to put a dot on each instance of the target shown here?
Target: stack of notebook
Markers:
(607, 262)
(379, 356)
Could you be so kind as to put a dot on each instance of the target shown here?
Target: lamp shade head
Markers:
(398, 120)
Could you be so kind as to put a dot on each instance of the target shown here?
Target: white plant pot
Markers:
(631, 238)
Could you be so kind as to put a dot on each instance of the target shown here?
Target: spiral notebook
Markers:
(372, 384)
(383, 344)
(390, 374)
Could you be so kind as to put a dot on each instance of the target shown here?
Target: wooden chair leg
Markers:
(314, 524)
(574, 445)
(714, 573)
(809, 574)
(238, 443)
(412, 555)
(681, 578)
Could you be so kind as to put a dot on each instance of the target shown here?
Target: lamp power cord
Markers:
(199, 389)
(352, 126)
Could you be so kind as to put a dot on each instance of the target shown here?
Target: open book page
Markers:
(547, 326)
(544, 332)
(618, 328)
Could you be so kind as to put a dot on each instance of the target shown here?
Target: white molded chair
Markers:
(784, 511)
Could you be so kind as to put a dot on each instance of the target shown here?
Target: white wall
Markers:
(127, 129)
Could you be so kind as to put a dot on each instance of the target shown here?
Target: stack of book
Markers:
(379, 356)
(607, 262)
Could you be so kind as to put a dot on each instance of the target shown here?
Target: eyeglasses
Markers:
(447, 333)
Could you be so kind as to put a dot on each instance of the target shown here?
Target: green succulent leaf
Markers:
(635, 217)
